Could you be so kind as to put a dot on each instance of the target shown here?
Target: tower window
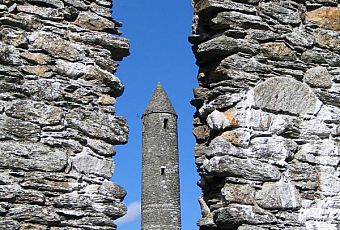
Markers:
(163, 170)
(165, 123)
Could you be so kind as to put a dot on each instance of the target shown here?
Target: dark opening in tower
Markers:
(163, 170)
(165, 123)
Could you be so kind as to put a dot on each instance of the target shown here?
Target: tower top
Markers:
(159, 102)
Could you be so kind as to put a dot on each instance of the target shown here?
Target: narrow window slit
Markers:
(165, 123)
(162, 170)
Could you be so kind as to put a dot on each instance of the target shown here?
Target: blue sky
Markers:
(158, 33)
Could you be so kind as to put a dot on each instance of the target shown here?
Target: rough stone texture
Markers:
(267, 120)
(57, 115)
(160, 166)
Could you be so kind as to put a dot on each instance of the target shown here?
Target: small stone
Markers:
(278, 195)
(238, 193)
(106, 100)
(300, 37)
(95, 22)
(86, 163)
(216, 120)
(278, 51)
(318, 77)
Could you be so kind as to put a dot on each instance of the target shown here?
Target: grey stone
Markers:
(92, 21)
(39, 112)
(17, 129)
(282, 94)
(246, 168)
(232, 19)
(57, 122)
(278, 195)
(57, 46)
(32, 157)
(86, 163)
(318, 77)
(236, 215)
(205, 6)
(118, 46)
(300, 37)
(223, 45)
(319, 56)
(91, 125)
(282, 14)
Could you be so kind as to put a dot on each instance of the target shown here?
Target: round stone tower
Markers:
(160, 179)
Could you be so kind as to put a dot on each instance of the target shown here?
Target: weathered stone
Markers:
(282, 94)
(32, 157)
(57, 46)
(318, 77)
(246, 168)
(246, 64)
(238, 137)
(217, 120)
(110, 189)
(318, 56)
(277, 51)
(282, 14)
(278, 195)
(223, 45)
(15, 192)
(13, 37)
(236, 215)
(232, 19)
(93, 21)
(276, 150)
(326, 17)
(39, 112)
(9, 55)
(115, 133)
(43, 12)
(36, 58)
(18, 129)
(220, 146)
(272, 66)
(236, 193)
(206, 6)
(86, 163)
(35, 214)
(118, 46)
(327, 39)
(300, 37)
(57, 59)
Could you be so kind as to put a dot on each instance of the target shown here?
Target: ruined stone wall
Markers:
(268, 113)
(57, 119)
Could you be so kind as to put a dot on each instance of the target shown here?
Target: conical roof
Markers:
(159, 102)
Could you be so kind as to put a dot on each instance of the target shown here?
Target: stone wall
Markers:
(57, 122)
(268, 113)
